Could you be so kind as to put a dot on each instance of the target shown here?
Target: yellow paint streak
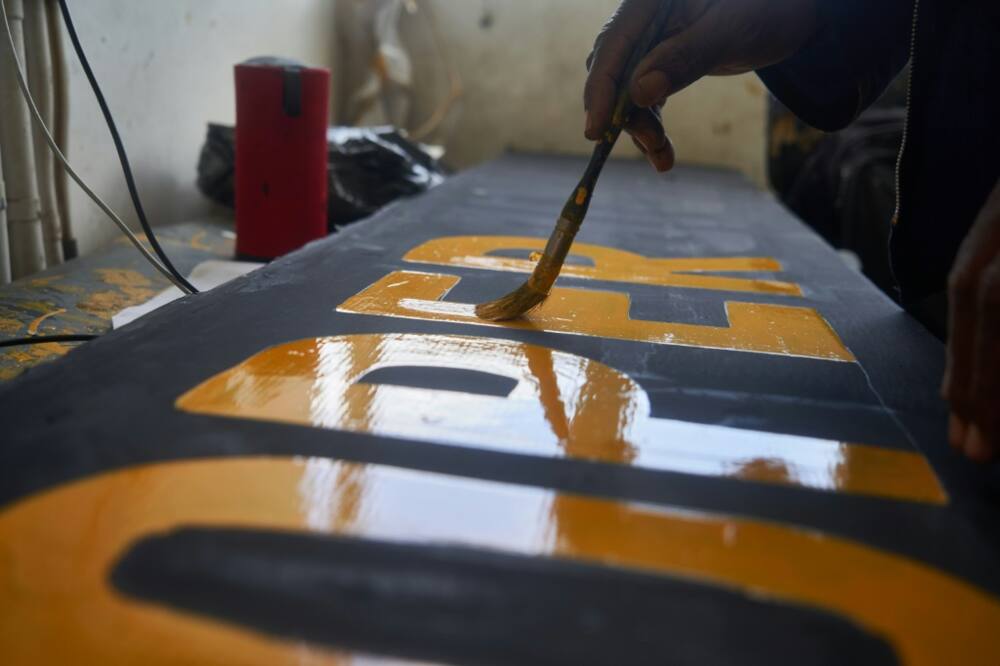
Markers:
(132, 287)
(10, 325)
(106, 304)
(69, 288)
(164, 240)
(58, 549)
(43, 282)
(608, 264)
(761, 328)
(197, 242)
(30, 355)
(123, 277)
(16, 359)
(41, 307)
(35, 323)
(562, 405)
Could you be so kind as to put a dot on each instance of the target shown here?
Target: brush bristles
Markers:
(511, 306)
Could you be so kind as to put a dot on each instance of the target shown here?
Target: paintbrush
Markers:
(536, 288)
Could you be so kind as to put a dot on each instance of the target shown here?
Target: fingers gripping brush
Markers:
(537, 287)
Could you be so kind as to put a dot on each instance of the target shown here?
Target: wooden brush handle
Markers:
(576, 206)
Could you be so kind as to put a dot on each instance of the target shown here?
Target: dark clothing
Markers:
(951, 157)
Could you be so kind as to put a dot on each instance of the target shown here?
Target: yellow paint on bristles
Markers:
(530, 294)
(513, 305)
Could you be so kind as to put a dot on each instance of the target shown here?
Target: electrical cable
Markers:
(42, 339)
(120, 148)
(37, 117)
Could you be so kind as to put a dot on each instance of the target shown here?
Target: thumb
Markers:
(674, 64)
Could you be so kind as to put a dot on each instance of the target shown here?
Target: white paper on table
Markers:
(206, 276)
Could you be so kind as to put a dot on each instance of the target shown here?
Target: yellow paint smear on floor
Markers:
(37, 321)
(131, 288)
(9, 325)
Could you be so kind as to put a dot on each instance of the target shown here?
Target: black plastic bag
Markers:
(367, 168)
(372, 166)
(217, 164)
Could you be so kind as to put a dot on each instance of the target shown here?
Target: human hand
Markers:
(972, 374)
(702, 37)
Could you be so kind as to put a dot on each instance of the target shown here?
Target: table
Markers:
(82, 295)
(714, 443)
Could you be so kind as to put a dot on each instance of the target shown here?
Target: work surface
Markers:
(81, 296)
(714, 443)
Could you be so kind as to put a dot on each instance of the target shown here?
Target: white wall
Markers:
(166, 68)
(522, 67)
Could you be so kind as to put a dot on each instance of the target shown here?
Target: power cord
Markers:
(37, 117)
(42, 339)
(120, 148)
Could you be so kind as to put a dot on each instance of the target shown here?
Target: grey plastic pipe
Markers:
(39, 65)
(24, 225)
(61, 123)
(4, 245)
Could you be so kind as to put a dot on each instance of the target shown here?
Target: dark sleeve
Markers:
(859, 48)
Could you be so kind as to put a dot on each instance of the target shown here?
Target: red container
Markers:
(282, 110)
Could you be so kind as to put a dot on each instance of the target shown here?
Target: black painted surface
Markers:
(110, 404)
(469, 606)
(442, 379)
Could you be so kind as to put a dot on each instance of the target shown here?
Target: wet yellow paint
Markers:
(562, 405)
(131, 288)
(766, 329)
(123, 277)
(197, 242)
(29, 355)
(59, 547)
(608, 264)
(106, 304)
(43, 282)
(16, 360)
(10, 325)
(69, 288)
(37, 321)
(39, 306)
